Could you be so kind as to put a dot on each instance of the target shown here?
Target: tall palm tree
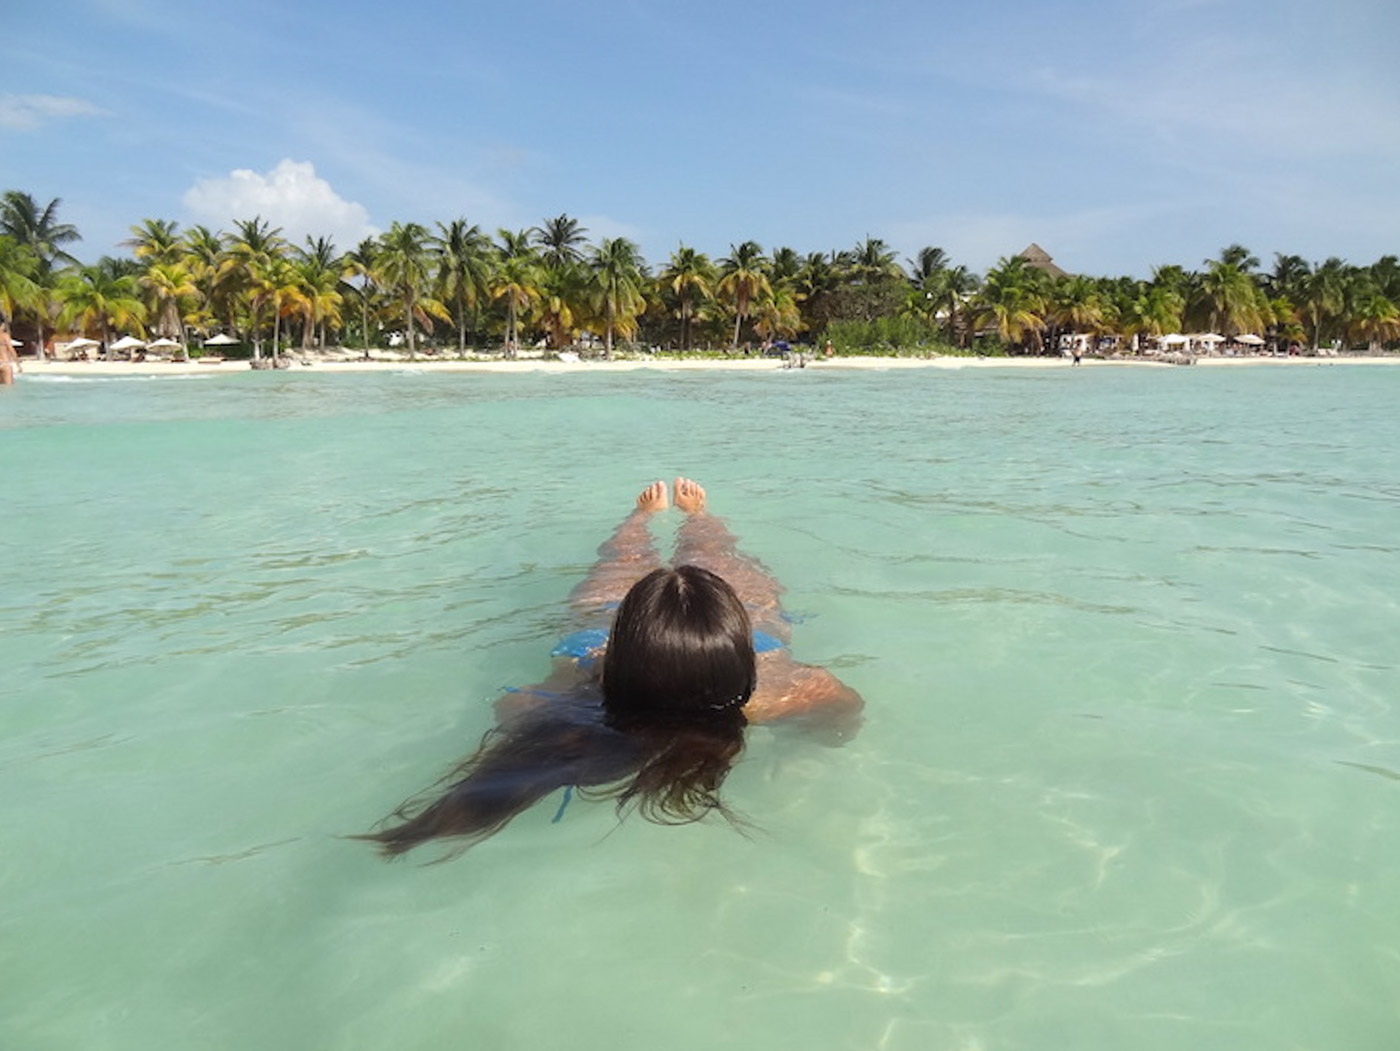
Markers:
(1076, 304)
(515, 281)
(1321, 296)
(873, 261)
(1371, 316)
(462, 259)
(254, 247)
(784, 267)
(318, 270)
(690, 275)
(359, 263)
(618, 276)
(155, 241)
(171, 289)
(402, 266)
(38, 228)
(950, 290)
(925, 269)
(204, 257)
(1226, 299)
(561, 289)
(1011, 302)
(742, 280)
(1238, 256)
(19, 277)
(96, 299)
(516, 243)
(776, 315)
(560, 238)
(281, 286)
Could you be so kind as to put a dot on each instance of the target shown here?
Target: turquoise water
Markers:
(1130, 776)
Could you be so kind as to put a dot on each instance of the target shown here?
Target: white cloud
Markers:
(291, 196)
(27, 112)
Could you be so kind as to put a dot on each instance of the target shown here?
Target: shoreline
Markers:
(322, 365)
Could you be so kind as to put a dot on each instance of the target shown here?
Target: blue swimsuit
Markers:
(583, 645)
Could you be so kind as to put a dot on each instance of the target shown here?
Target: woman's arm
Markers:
(803, 694)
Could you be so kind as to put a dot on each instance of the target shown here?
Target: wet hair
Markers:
(658, 734)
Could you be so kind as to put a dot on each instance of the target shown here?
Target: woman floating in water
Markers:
(652, 713)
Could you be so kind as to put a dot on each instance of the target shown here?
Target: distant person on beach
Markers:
(9, 360)
(651, 713)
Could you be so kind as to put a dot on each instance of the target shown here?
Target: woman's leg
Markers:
(624, 558)
(705, 541)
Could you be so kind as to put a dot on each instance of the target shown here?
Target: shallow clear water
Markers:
(1130, 776)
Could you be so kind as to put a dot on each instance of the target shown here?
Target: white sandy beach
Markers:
(538, 364)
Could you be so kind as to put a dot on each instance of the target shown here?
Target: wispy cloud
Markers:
(30, 112)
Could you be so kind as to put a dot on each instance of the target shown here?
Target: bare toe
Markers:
(690, 495)
(653, 498)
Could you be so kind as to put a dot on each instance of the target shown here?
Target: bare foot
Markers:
(690, 496)
(653, 498)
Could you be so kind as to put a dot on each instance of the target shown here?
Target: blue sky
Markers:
(1119, 135)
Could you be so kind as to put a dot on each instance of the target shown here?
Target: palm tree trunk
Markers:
(408, 311)
(461, 325)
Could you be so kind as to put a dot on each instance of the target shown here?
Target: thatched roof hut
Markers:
(1040, 259)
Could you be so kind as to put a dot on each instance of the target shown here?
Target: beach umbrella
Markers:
(164, 343)
(127, 343)
(1250, 339)
(220, 340)
(77, 346)
(1209, 337)
(1176, 339)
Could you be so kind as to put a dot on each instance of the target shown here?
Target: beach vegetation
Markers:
(550, 288)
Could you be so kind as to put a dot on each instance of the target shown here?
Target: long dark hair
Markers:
(659, 733)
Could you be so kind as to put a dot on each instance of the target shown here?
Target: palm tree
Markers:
(873, 262)
(402, 267)
(515, 280)
(318, 276)
(1238, 256)
(784, 267)
(281, 287)
(155, 241)
(19, 277)
(1226, 299)
(1288, 271)
(951, 287)
(1011, 302)
(462, 254)
(1321, 296)
(37, 228)
(206, 260)
(560, 290)
(168, 284)
(818, 282)
(618, 275)
(95, 298)
(516, 243)
(560, 238)
(1372, 316)
(776, 315)
(928, 266)
(360, 263)
(742, 280)
(690, 275)
(251, 253)
(1077, 305)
